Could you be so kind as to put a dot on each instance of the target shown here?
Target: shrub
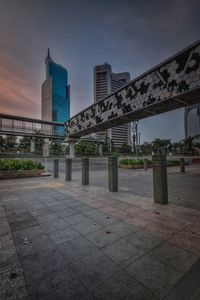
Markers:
(131, 161)
(13, 164)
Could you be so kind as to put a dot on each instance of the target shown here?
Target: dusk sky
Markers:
(130, 35)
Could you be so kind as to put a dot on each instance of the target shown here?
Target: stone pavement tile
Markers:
(123, 252)
(13, 294)
(67, 213)
(174, 256)
(39, 264)
(187, 288)
(20, 221)
(144, 239)
(53, 226)
(76, 249)
(11, 282)
(102, 237)
(39, 212)
(15, 211)
(5, 241)
(86, 226)
(77, 218)
(63, 235)
(7, 256)
(57, 285)
(59, 208)
(47, 218)
(4, 228)
(94, 269)
(161, 230)
(187, 240)
(154, 274)
(122, 286)
(137, 221)
(122, 229)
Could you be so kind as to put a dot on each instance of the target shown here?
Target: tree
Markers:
(56, 146)
(24, 143)
(125, 148)
(10, 143)
(87, 148)
(2, 143)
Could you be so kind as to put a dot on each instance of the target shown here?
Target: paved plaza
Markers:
(62, 240)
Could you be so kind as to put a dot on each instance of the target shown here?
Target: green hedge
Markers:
(13, 164)
(131, 161)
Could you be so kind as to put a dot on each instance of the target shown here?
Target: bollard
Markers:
(68, 169)
(160, 188)
(56, 168)
(182, 165)
(145, 164)
(113, 174)
(85, 171)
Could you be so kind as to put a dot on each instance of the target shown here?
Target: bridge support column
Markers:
(182, 165)
(113, 173)
(100, 150)
(32, 150)
(68, 170)
(160, 187)
(71, 149)
(85, 171)
(56, 168)
(145, 164)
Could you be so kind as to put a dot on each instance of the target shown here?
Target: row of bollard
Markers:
(160, 186)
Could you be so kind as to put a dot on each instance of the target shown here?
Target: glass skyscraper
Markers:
(55, 92)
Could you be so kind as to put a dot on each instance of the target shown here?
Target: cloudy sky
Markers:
(130, 35)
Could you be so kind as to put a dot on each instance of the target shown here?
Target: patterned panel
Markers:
(175, 76)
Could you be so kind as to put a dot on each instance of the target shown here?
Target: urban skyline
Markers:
(131, 36)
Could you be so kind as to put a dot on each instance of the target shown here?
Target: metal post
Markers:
(85, 171)
(68, 170)
(145, 164)
(182, 165)
(56, 168)
(113, 173)
(160, 187)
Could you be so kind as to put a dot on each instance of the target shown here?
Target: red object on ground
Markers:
(196, 160)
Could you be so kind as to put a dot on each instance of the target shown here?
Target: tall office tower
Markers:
(106, 82)
(192, 120)
(55, 92)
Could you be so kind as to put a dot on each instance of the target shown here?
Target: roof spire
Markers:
(48, 53)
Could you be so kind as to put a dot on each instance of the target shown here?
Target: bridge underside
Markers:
(173, 84)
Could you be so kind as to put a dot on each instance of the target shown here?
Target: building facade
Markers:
(106, 82)
(192, 120)
(55, 92)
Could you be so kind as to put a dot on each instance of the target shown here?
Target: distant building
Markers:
(192, 120)
(106, 82)
(55, 92)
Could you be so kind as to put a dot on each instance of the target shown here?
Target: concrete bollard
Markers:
(56, 167)
(113, 173)
(182, 165)
(160, 187)
(145, 164)
(68, 169)
(85, 171)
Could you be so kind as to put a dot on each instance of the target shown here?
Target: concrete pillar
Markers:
(56, 168)
(68, 170)
(160, 188)
(46, 147)
(113, 173)
(85, 171)
(100, 149)
(71, 150)
(145, 164)
(32, 145)
(182, 165)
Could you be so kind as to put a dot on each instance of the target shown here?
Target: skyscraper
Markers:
(192, 120)
(106, 82)
(55, 92)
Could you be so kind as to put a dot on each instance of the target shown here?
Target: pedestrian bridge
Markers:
(172, 84)
(22, 126)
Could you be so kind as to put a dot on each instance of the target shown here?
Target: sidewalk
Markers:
(61, 240)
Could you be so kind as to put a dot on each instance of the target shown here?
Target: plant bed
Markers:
(130, 163)
(11, 168)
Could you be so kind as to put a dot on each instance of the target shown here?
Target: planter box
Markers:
(20, 174)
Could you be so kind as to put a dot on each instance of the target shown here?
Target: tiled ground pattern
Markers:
(76, 242)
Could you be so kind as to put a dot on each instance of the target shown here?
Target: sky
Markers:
(130, 35)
